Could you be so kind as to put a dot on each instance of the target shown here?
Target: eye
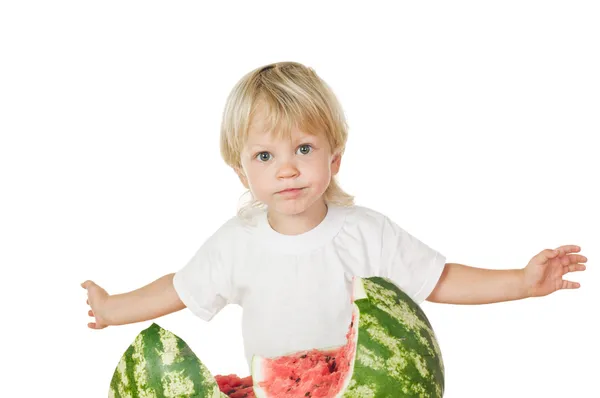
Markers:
(261, 157)
(303, 149)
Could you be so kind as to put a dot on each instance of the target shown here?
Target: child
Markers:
(302, 238)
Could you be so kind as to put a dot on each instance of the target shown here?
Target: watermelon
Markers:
(160, 364)
(390, 351)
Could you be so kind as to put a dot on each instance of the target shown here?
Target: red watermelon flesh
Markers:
(235, 387)
(313, 373)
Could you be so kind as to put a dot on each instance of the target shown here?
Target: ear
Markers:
(241, 176)
(335, 164)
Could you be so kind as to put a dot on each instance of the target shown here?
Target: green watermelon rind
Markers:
(161, 364)
(397, 353)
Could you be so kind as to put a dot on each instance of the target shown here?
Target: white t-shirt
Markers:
(295, 290)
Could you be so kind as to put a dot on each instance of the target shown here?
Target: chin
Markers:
(289, 207)
(293, 207)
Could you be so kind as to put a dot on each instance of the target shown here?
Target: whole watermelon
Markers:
(391, 351)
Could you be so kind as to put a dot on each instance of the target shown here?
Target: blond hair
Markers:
(293, 96)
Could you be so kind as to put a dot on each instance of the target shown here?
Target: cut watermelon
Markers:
(234, 387)
(391, 351)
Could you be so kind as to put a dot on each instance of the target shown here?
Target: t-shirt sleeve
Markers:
(204, 283)
(412, 265)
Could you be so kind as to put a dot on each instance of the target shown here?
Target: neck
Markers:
(296, 224)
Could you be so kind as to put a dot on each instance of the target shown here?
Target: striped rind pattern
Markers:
(397, 353)
(159, 364)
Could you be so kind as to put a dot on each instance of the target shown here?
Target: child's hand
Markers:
(97, 299)
(543, 275)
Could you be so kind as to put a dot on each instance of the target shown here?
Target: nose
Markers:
(287, 169)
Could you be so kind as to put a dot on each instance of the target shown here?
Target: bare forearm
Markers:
(462, 284)
(149, 302)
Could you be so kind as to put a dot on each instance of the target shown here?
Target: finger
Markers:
(572, 259)
(91, 313)
(570, 285)
(94, 325)
(547, 254)
(573, 268)
(87, 284)
(576, 258)
(568, 249)
(87, 302)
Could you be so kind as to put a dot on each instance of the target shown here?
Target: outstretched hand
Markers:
(544, 273)
(97, 298)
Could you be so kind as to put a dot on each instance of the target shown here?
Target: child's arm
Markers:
(461, 284)
(149, 302)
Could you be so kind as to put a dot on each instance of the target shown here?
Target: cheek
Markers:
(320, 172)
(256, 178)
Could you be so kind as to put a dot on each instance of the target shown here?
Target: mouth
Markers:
(290, 190)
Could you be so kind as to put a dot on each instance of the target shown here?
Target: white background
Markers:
(473, 125)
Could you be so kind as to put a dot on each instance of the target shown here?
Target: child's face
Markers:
(271, 165)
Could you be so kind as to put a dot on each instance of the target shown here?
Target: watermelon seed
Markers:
(297, 380)
(307, 394)
(332, 366)
(303, 356)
